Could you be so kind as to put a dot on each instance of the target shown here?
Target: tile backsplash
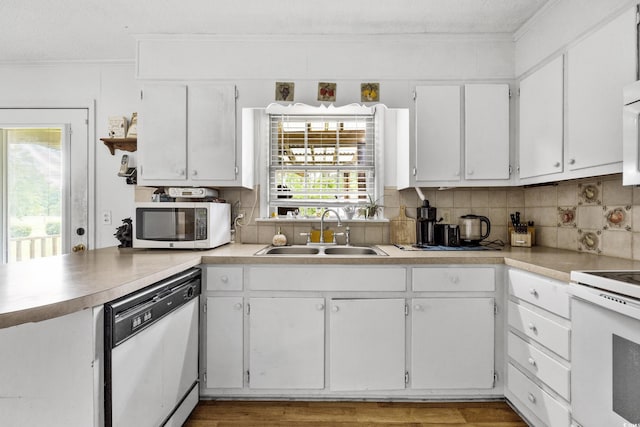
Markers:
(596, 215)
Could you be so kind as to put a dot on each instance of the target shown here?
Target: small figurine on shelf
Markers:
(124, 233)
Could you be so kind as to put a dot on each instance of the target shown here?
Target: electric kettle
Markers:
(471, 229)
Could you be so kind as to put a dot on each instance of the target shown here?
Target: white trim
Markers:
(90, 106)
(297, 38)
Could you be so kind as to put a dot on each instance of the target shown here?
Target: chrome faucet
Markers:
(322, 224)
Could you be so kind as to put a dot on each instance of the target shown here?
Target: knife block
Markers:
(524, 240)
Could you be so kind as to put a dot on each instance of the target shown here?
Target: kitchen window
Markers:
(322, 161)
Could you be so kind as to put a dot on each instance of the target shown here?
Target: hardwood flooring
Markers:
(353, 414)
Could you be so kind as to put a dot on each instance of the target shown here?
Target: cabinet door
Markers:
(437, 133)
(212, 132)
(162, 138)
(541, 129)
(452, 342)
(598, 69)
(367, 344)
(486, 144)
(286, 343)
(224, 342)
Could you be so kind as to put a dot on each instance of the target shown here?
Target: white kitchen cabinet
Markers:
(447, 279)
(162, 140)
(598, 68)
(286, 343)
(438, 134)
(452, 343)
(50, 370)
(440, 151)
(187, 135)
(486, 140)
(538, 347)
(367, 344)
(224, 343)
(541, 121)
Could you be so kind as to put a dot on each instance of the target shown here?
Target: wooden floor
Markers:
(345, 414)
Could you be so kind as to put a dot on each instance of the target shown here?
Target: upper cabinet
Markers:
(438, 135)
(598, 68)
(486, 131)
(541, 130)
(461, 136)
(570, 122)
(187, 136)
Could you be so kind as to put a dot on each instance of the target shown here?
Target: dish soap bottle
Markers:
(279, 239)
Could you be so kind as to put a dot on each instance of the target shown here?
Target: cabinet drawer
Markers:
(548, 370)
(542, 404)
(451, 279)
(550, 334)
(545, 293)
(326, 278)
(223, 278)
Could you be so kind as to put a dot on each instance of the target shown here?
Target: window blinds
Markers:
(321, 160)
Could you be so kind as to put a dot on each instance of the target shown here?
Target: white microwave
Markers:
(181, 225)
(631, 135)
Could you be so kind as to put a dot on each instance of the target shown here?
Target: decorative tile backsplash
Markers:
(595, 215)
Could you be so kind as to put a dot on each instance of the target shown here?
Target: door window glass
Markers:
(34, 197)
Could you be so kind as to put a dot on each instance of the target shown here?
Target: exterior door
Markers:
(44, 177)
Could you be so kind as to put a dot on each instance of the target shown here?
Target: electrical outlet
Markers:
(445, 214)
(106, 217)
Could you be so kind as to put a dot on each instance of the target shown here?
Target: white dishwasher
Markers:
(151, 353)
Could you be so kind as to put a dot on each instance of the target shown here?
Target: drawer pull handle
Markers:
(224, 279)
(335, 308)
(320, 307)
(237, 306)
(454, 279)
(533, 328)
(532, 398)
(532, 362)
(534, 293)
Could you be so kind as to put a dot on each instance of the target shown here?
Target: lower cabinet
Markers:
(375, 338)
(224, 344)
(538, 349)
(452, 343)
(367, 344)
(286, 343)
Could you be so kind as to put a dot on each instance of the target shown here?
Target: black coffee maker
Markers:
(425, 225)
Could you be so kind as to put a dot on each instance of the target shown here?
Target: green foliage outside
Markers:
(52, 228)
(19, 230)
(32, 190)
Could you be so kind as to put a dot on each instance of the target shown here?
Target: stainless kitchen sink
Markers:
(352, 250)
(289, 250)
(322, 250)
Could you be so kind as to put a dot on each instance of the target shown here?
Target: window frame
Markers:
(376, 189)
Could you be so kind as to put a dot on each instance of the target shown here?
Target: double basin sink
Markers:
(322, 250)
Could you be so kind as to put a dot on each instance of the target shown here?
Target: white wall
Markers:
(560, 24)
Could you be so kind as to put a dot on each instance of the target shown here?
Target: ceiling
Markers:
(53, 30)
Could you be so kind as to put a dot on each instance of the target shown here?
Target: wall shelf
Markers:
(124, 144)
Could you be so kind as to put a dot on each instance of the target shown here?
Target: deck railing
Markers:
(25, 248)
